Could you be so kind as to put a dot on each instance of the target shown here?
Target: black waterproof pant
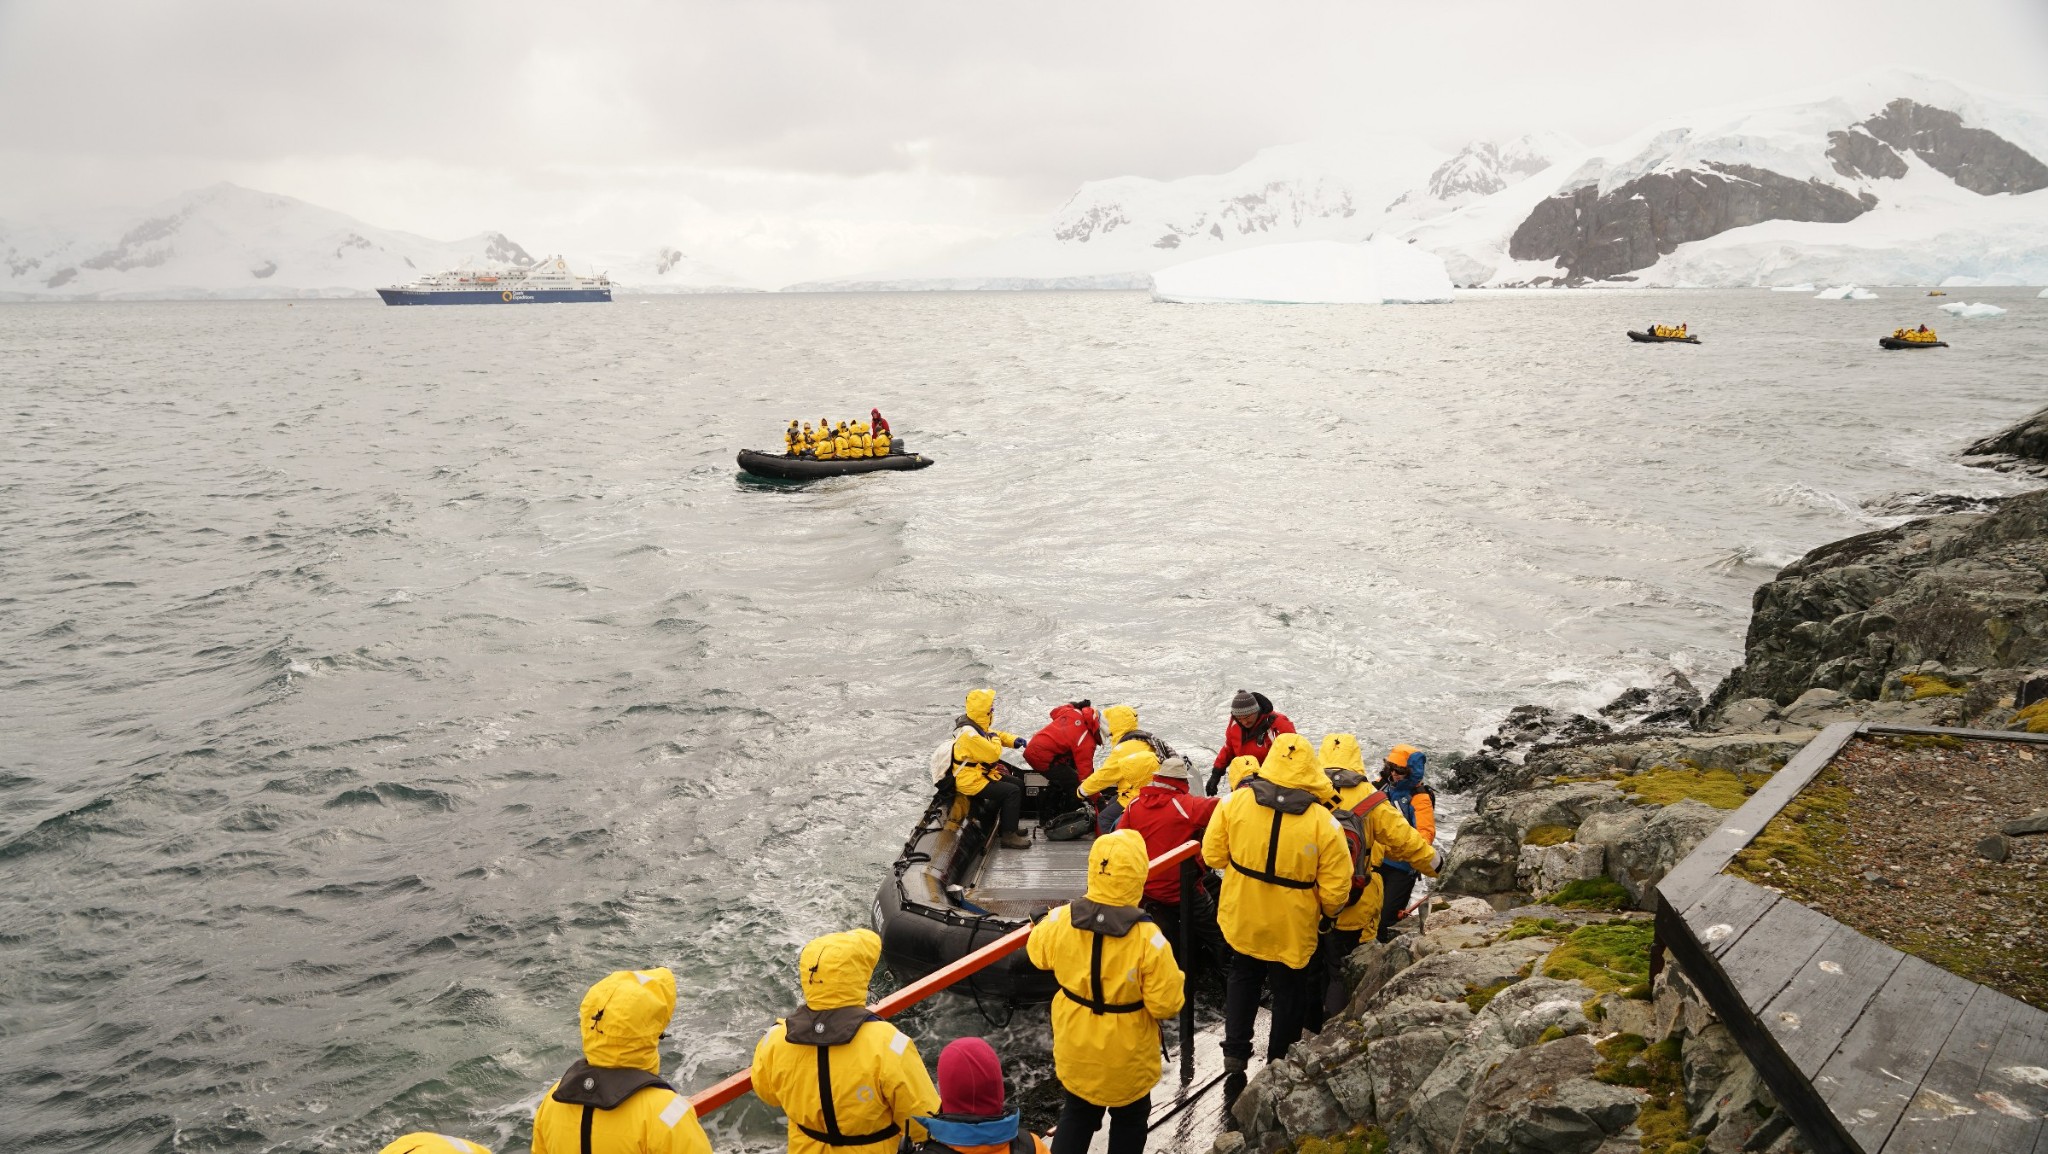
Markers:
(1112, 812)
(1400, 887)
(1210, 949)
(1008, 799)
(1327, 1000)
(1080, 1119)
(1062, 787)
(1241, 1006)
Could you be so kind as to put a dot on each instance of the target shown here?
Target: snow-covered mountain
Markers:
(231, 242)
(1481, 169)
(1113, 233)
(1890, 178)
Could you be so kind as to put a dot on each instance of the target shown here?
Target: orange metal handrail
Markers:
(732, 1086)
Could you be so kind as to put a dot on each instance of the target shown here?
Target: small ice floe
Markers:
(1847, 292)
(1802, 287)
(1972, 312)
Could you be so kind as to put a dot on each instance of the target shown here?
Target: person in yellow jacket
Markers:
(1389, 839)
(613, 1100)
(846, 1079)
(1129, 767)
(863, 444)
(841, 446)
(882, 443)
(978, 767)
(1241, 768)
(1286, 868)
(823, 446)
(423, 1142)
(1117, 979)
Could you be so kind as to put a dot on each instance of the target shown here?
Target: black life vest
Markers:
(600, 1088)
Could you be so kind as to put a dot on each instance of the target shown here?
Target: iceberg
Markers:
(1807, 287)
(1972, 312)
(1847, 292)
(1316, 272)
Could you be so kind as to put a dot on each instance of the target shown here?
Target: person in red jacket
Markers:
(875, 422)
(1167, 813)
(1253, 725)
(1064, 751)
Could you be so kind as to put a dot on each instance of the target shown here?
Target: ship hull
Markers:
(400, 296)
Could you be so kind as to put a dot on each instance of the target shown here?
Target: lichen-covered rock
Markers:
(1436, 1110)
(1309, 1108)
(1707, 1058)
(1487, 855)
(1543, 1100)
(1964, 590)
(1480, 863)
(1546, 869)
(1529, 1009)
(1398, 1066)
(1450, 976)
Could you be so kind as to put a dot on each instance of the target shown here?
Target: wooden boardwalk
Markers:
(1869, 1050)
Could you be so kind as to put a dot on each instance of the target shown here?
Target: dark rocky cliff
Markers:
(1596, 236)
(1945, 597)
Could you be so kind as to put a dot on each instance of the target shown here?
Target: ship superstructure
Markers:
(546, 282)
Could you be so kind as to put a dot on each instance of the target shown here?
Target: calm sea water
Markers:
(374, 679)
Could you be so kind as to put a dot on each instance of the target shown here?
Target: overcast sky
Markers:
(814, 138)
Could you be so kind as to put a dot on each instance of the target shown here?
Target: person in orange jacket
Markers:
(1401, 778)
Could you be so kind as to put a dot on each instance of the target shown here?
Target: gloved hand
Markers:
(1436, 862)
(1018, 742)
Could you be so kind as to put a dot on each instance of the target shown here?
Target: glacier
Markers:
(1309, 272)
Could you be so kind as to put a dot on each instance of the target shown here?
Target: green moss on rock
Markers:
(1801, 836)
(1548, 835)
(1667, 785)
(1361, 1140)
(1601, 893)
(1609, 957)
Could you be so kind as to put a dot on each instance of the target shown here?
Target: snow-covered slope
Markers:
(1482, 168)
(227, 241)
(1887, 178)
(1111, 233)
(1321, 272)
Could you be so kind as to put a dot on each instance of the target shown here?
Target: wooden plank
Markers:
(1726, 909)
(1775, 949)
(1823, 1001)
(2010, 1086)
(1795, 1094)
(1879, 1064)
(1876, 730)
(1711, 856)
(1945, 1115)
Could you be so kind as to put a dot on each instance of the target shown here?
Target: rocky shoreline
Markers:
(1521, 1017)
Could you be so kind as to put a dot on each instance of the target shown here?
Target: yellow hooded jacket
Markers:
(1128, 769)
(1117, 978)
(631, 1110)
(422, 1142)
(1284, 859)
(877, 1079)
(1241, 768)
(1387, 833)
(978, 745)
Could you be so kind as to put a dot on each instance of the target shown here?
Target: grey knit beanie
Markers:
(1244, 704)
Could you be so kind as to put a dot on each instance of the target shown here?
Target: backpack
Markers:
(942, 761)
(1352, 822)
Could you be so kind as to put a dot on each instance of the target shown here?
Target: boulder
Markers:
(1546, 869)
(1566, 804)
(1543, 1100)
(1447, 977)
(1398, 1065)
(1750, 715)
(2027, 440)
(1816, 708)
(1528, 1009)
(1643, 844)
(1707, 1058)
(1480, 863)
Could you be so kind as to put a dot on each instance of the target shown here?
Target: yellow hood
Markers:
(1292, 763)
(1340, 751)
(623, 1016)
(835, 969)
(1117, 865)
(1119, 720)
(981, 707)
(422, 1142)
